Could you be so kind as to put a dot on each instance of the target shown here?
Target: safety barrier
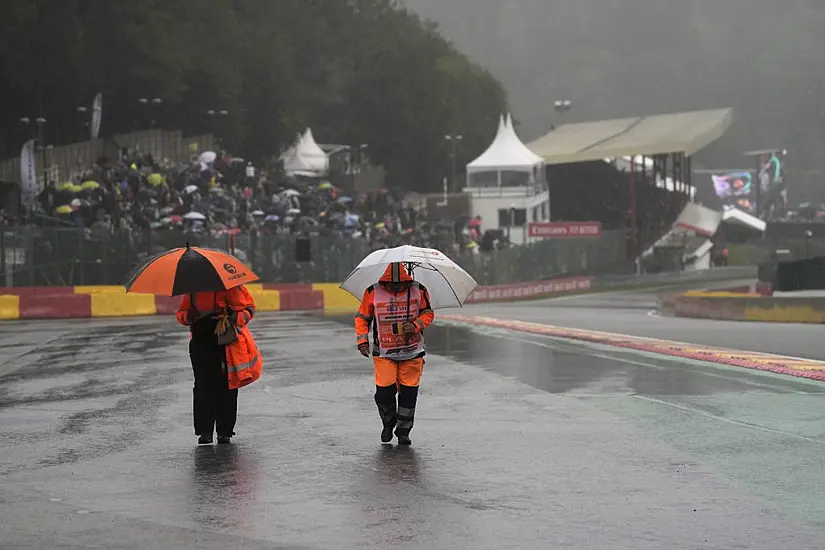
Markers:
(735, 305)
(113, 301)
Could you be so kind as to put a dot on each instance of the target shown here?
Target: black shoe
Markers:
(205, 440)
(224, 439)
(403, 439)
(386, 434)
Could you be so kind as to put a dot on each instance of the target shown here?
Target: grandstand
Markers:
(631, 172)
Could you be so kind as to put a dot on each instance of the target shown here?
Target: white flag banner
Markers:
(28, 174)
(97, 115)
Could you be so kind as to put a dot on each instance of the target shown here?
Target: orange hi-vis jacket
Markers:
(387, 319)
(244, 363)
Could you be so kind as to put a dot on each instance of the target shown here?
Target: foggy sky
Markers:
(617, 58)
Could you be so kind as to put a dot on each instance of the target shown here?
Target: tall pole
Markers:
(217, 127)
(151, 105)
(454, 139)
(510, 221)
(41, 144)
(633, 214)
(454, 175)
(83, 132)
(562, 106)
(808, 235)
(352, 168)
(356, 160)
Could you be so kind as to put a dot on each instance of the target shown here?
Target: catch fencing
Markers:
(66, 256)
(63, 163)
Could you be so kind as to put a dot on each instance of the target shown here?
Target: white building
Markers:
(508, 186)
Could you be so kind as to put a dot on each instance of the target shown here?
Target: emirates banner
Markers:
(564, 230)
(97, 115)
(28, 174)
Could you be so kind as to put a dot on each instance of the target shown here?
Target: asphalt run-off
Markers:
(522, 440)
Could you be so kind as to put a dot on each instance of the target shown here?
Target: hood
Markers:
(395, 273)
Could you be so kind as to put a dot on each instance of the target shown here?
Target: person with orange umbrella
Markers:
(217, 309)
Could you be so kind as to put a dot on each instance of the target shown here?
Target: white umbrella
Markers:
(189, 189)
(194, 216)
(290, 193)
(293, 212)
(448, 284)
(208, 157)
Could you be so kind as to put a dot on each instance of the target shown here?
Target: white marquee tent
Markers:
(306, 156)
(505, 156)
(310, 148)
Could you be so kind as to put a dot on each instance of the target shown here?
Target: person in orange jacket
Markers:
(397, 310)
(224, 357)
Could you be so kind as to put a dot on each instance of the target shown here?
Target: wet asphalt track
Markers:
(634, 313)
(520, 442)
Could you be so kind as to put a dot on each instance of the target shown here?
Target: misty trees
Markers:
(363, 71)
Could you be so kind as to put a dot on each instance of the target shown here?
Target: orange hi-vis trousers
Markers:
(405, 373)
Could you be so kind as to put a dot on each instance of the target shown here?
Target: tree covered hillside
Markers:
(361, 71)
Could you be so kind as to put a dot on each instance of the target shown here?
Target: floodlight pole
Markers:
(454, 139)
(634, 231)
(562, 106)
(808, 235)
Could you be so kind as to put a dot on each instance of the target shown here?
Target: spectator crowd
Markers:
(218, 196)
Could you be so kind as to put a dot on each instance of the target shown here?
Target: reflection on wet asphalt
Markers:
(520, 442)
(557, 366)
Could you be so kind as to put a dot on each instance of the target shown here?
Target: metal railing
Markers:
(63, 256)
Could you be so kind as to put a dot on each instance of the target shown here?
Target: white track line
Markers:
(682, 407)
(728, 420)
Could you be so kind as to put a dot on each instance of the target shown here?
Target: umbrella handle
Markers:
(407, 334)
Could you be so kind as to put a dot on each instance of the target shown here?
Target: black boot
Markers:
(407, 398)
(386, 434)
(205, 440)
(406, 417)
(385, 400)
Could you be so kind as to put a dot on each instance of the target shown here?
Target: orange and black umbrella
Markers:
(185, 270)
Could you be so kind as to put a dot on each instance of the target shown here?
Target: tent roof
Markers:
(305, 155)
(687, 133)
(506, 152)
(309, 147)
(296, 162)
